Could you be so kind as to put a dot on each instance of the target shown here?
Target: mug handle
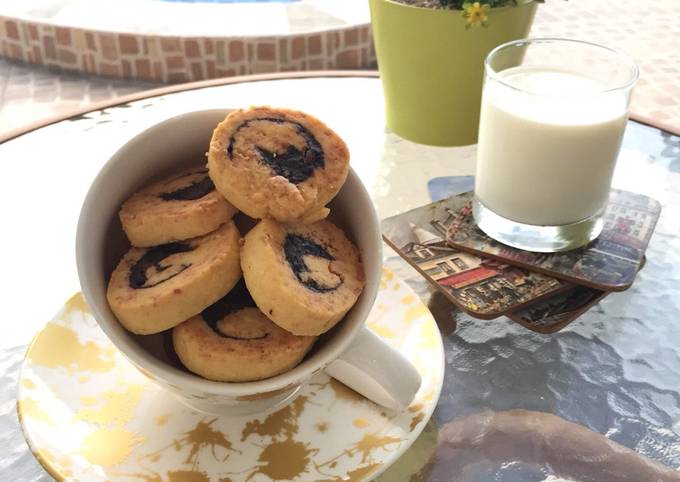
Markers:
(377, 371)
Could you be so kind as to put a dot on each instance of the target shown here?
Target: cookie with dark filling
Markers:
(304, 277)
(233, 341)
(153, 289)
(277, 163)
(180, 207)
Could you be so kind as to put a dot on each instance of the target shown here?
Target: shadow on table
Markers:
(521, 445)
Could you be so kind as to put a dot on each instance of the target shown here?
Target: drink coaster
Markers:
(479, 285)
(487, 286)
(89, 415)
(609, 263)
(551, 314)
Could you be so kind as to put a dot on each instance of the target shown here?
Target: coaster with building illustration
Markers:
(609, 263)
(487, 287)
(553, 313)
(480, 286)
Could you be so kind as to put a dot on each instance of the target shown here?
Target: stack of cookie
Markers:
(242, 309)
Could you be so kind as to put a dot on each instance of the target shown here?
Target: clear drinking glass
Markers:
(552, 119)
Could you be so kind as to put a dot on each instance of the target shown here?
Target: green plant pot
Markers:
(432, 67)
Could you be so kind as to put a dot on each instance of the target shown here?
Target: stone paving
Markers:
(28, 93)
(648, 30)
(180, 42)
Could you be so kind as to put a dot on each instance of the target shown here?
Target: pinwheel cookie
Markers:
(277, 163)
(232, 341)
(153, 289)
(304, 277)
(180, 207)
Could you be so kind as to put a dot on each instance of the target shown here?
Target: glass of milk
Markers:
(552, 119)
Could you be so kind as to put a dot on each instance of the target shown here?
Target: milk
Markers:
(547, 158)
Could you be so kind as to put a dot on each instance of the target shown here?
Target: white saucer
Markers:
(90, 416)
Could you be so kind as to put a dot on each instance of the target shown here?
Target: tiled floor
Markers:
(652, 37)
(28, 93)
(182, 41)
(648, 30)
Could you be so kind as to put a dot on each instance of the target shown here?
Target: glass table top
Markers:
(509, 396)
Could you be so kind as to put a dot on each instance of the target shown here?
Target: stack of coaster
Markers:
(487, 279)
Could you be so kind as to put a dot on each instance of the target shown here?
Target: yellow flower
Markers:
(475, 13)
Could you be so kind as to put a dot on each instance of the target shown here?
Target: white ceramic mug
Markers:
(349, 352)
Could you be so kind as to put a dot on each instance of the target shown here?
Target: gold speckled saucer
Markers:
(89, 415)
